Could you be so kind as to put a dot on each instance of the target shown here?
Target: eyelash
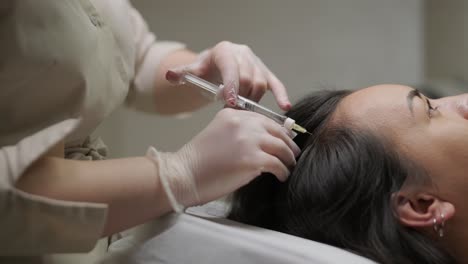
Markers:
(431, 109)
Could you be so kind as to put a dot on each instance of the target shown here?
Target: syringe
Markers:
(244, 103)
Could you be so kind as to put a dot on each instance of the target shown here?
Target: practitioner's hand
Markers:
(239, 69)
(233, 149)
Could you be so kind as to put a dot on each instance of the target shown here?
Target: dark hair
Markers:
(340, 191)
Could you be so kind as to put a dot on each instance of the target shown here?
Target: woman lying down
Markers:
(385, 175)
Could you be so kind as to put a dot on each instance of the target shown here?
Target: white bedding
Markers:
(200, 237)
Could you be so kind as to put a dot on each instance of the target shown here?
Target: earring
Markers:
(439, 228)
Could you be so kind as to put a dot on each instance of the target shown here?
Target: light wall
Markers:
(308, 44)
(447, 39)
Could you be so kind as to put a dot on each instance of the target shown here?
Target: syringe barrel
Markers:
(242, 102)
(250, 105)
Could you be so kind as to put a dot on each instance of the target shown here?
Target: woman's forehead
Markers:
(382, 105)
(381, 93)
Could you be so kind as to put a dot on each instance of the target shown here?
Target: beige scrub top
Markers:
(64, 66)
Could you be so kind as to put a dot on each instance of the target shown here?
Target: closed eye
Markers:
(431, 109)
(415, 93)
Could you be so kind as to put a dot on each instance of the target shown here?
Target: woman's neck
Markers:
(455, 240)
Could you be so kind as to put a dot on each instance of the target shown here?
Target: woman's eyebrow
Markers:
(409, 98)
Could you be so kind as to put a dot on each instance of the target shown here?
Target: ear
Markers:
(420, 209)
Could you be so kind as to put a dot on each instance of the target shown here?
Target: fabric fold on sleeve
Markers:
(149, 55)
(34, 225)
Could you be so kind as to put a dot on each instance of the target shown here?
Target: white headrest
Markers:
(199, 237)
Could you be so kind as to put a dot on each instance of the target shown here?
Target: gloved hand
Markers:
(232, 150)
(239, 69)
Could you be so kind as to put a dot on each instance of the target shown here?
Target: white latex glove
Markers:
(233, 149)
(239, 69)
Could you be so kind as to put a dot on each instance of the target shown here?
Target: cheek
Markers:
(442, 150)
(450, 140)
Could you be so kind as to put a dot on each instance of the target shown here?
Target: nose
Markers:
(453, 104)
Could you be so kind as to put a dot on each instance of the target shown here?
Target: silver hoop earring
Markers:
(439, 228)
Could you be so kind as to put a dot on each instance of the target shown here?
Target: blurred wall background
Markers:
(446, 45)
(309, 44)
(447, 39)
